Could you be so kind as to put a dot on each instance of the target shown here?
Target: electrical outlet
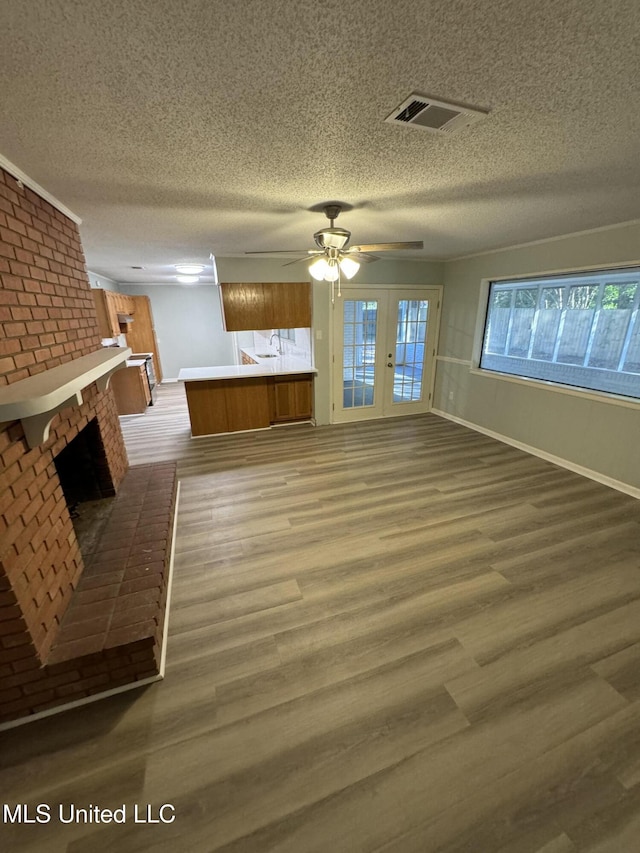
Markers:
(451, 396)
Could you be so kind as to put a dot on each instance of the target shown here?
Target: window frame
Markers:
(540, 279)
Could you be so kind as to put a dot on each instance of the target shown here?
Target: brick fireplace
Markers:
(48, 318)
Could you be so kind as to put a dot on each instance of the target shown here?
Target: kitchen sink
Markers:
(266, 355)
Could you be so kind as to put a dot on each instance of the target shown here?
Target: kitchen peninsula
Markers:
(266, 389)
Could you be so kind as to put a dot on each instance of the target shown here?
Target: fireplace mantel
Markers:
(36, 399)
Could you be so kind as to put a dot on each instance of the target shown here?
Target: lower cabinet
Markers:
(291, 399)
(229, 405)
(131, 390)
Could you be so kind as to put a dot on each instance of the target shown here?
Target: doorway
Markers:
(384, 352)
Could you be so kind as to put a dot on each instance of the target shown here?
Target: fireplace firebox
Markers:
(86, 482)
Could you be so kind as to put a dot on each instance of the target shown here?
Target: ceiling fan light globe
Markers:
(332, 272)
(349, 267)
(319, 268)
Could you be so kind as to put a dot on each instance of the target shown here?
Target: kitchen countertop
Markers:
(134, 362)
(279, 366)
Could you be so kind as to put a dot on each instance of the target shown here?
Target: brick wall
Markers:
(47, 317)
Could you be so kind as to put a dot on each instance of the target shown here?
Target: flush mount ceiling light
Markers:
(189, 269)
(188, 279)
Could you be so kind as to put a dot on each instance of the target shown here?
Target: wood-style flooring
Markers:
(394, 635)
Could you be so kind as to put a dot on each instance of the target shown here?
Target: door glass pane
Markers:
(359, 352)
(411, 334)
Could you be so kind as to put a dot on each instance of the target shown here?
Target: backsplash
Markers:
(299, 348)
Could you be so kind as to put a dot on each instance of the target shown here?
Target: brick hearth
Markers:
(111, 633)
(120, 595)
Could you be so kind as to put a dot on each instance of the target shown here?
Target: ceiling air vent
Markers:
(437, 116)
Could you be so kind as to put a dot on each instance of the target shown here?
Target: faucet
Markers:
(276, 334)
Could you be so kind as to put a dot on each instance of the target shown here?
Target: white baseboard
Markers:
(549, 457)
(87, 700)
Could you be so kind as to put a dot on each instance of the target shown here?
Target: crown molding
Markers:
(20, 176)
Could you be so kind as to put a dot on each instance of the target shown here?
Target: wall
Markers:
(588, 433)
(188, 323)
(102, 282)
(47, 318)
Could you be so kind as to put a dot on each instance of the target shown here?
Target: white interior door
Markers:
(384, 344)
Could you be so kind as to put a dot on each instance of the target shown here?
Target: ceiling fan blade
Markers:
(297, 261)
(362, 258)
(387, 247)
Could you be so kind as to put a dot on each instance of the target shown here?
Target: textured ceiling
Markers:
(179, 127)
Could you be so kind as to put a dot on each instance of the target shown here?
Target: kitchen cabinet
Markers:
(131, 390)
(227, 405)
(289, 304)
(273, 305)
(107, 315)
(244, 307)
(252, 402)
(291, 398)
(108, 305)
(140, 334)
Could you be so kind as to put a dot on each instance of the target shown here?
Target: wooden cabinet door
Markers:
(303, 397)
(292, 399)
(131, 390)
(104, 322)
(120, 303)
(207, 407)
(283, 401)
(112, 312)
(276, 305)
(244, 307)
(289, 304)
(247, 403)
(141, 335)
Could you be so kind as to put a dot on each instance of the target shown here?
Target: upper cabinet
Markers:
(108, 305)
(276, 305)
(244, 307)
(140, 334)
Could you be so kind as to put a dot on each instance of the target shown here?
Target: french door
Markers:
(384, 344)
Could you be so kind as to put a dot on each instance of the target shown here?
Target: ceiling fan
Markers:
(334, 256)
